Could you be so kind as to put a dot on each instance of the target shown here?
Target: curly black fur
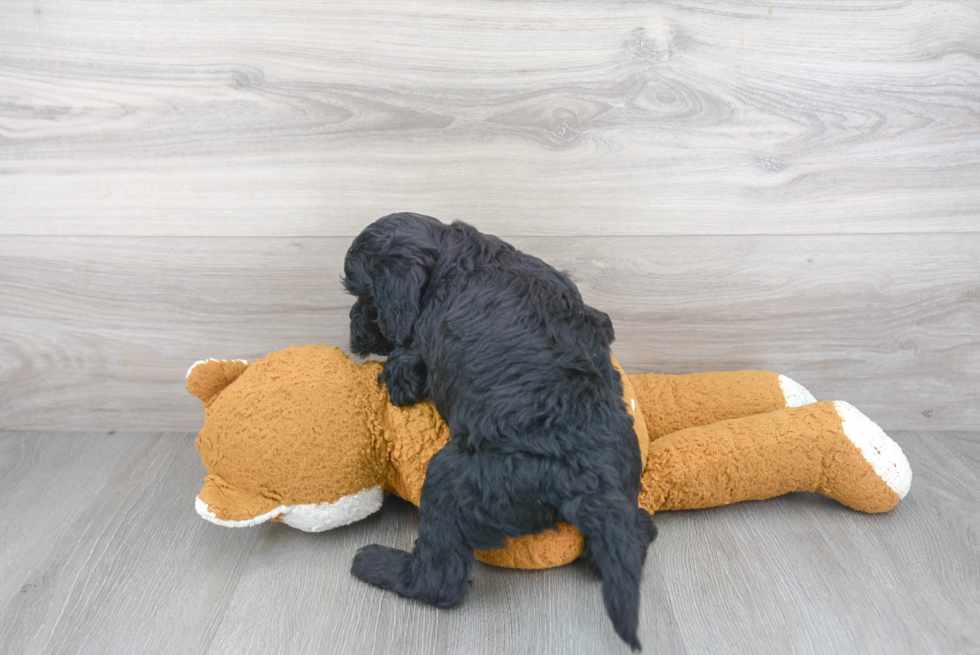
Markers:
(519, 367)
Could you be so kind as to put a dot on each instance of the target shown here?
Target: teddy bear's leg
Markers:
(827, 447)
(674, 402)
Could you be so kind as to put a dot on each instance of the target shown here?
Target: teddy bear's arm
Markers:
(828, 447)
(674, 402)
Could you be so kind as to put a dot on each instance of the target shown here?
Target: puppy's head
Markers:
(387, 268)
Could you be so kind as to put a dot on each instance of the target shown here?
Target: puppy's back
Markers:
(514, 341)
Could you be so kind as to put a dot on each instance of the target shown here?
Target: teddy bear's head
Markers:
(291, 437)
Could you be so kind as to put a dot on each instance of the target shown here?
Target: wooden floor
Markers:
(103, 553)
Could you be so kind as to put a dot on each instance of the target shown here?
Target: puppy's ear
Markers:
(399, 282)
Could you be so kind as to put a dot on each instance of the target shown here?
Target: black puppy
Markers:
(519, 367)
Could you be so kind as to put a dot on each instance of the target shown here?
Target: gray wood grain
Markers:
(308, 118)
(35, 476)
(98, 332)
(129, 572)
(122, 564)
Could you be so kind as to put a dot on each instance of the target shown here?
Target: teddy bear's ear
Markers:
(208, 378)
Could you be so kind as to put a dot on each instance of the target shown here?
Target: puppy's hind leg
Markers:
(439, 569)
(612, 531)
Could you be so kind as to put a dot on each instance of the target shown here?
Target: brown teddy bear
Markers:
(307, 437)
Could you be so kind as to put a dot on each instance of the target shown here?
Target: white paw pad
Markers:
(884, 455)
(796, 394)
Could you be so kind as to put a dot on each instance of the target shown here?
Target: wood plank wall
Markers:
(792, 186)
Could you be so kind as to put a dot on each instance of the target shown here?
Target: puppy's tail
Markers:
(617, 536)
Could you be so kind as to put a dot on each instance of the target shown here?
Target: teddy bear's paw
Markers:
(884, 455)
(796, 394)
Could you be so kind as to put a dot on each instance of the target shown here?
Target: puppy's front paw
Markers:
(383, 567)
(405, 385)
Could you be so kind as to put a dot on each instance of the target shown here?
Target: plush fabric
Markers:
(304, 430)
